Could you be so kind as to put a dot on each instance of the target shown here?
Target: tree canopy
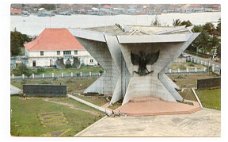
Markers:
(178, 22)
(17, 41)
(209, 39)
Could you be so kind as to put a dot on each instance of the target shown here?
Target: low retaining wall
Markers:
(45, 90)
(208, 83)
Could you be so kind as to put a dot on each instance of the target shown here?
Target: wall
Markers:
(208, 83)
(45, 90)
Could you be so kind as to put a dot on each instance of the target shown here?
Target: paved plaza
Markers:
(206, 122)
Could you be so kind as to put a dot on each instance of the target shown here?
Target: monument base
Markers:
(145, 106)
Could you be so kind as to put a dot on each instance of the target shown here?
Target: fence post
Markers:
(62, 74)
(99, 74)
(81, 74)
(213, 67)
(33, 75)
(90, 74)
(201, 62)
(195, 69)
(170, 70)
(23, 76)
(13, 76)
(178, 70)
(209, 64)
(43, 75)
(52, 75)
(187, 69)
(71, 74)
(205, 69)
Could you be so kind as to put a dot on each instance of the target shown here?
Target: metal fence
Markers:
(53, 75)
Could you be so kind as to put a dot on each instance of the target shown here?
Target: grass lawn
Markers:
(83, 69)
(210, 98)
(189, 80)
(50, 116)
(184, 66)
(96, 99)
(187, 94)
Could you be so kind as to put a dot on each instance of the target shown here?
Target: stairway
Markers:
(59, 63)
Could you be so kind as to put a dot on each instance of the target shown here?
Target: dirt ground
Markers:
(189, 81)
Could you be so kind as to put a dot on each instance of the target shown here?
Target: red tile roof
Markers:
(54, 39)
(15, 11)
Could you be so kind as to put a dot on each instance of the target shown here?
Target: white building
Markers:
(56, 47)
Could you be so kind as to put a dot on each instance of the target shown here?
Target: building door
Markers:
(51, 62)
(34, 63)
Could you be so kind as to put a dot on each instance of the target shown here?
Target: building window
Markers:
(66, 52)
(91, 60)
(58, 52)
(41, 53)
(75, 52)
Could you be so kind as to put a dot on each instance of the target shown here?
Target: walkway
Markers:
(205, 122)
(14, 90)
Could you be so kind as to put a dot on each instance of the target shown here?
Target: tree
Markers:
(218, 28)
(17, 41)
(178, 22)
(22, 69)
(210, 28)
(48, 6)
(156, 22)
(186, 23)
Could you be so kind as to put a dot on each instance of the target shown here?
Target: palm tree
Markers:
(176, 22)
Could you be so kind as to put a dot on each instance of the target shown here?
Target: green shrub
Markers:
(22, 69)
(191, 64)
(68, 66)
(40, 70)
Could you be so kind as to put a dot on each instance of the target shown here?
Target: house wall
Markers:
(49, 58)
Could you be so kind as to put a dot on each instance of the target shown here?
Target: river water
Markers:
(33, 25)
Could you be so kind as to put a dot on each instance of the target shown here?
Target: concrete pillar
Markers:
(178, 70)
(195, 69)
(213, 67)
(205, 69)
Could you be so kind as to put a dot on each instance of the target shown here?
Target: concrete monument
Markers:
(135, 58)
